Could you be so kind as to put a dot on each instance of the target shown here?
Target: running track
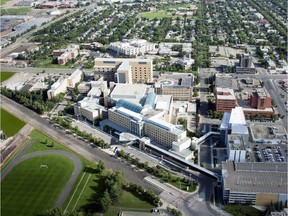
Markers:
(76, 161)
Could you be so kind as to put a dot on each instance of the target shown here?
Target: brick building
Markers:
(225, 99)
(260, 99)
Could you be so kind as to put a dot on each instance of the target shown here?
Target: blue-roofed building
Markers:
(150, 100)
(130, 106)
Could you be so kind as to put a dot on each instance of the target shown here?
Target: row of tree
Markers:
(141, 193)
(35, 100)
(158, 172)
(87, 136)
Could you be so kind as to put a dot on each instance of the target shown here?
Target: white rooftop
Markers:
(229, 91)
(94, 91)
(237, 117)
(129, 92)
(129, 113)
(75, 73)
(58, 83)
(90, 103)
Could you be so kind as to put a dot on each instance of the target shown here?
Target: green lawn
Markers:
(48, 64)
(157, 14)
(9, 123)
(184, 185)
(88, 186)
(2, 2)
(40, 143)
(177, 6)
(242, 210)
(15, 11)
(5, 75)
(29, 189)
(129, 202)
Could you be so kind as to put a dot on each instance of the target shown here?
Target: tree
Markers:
(100, 166)
(105, 201)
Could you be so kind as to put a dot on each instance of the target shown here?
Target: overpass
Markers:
(184, 162)
(202, 139)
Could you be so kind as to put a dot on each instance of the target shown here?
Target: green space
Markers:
(90, 184)
(2, 2)
(29, 189)
(177, 6)
(129, 202)
(242, 210)
(9, 123)
(5, 75)
(15, 11)
(162, 173)
(43, 142)
(48, 63)
(162, 13)
(157, 14)
(184, 184)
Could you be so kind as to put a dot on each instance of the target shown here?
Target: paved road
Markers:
(76, 162)
(82, 148)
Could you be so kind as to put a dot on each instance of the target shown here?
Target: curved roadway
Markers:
(76, 161)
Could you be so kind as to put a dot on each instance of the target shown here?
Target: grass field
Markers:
(129, 202)
(15, 11)
(2, 2)
(29, 189)
(40, 143)
(157, 14)
(88, 186)
(5, 75)
(241, 210)
(184, 185)
(48, 64)
(9, 123)
(177, 6)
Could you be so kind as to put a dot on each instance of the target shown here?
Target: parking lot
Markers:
(267, 153)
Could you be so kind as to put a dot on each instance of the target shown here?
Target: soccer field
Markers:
(30, 189)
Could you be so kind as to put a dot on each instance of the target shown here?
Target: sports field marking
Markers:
(81, 192)
(74, 192)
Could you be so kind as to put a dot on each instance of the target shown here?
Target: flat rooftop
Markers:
(225, 93)
(123, 59)
(163, 102)
(184, 80)
(255, 177)
(91, 104)
(237, 116)
(235, 142)
(130, 92)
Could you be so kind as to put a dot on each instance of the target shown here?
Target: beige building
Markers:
(124, 70)
(60, 86)
(179, 85)
(89, 108)
(163, 132)
(127, 119)
(74, 78)
(132, 47)
(67, 54)
(84, 87)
